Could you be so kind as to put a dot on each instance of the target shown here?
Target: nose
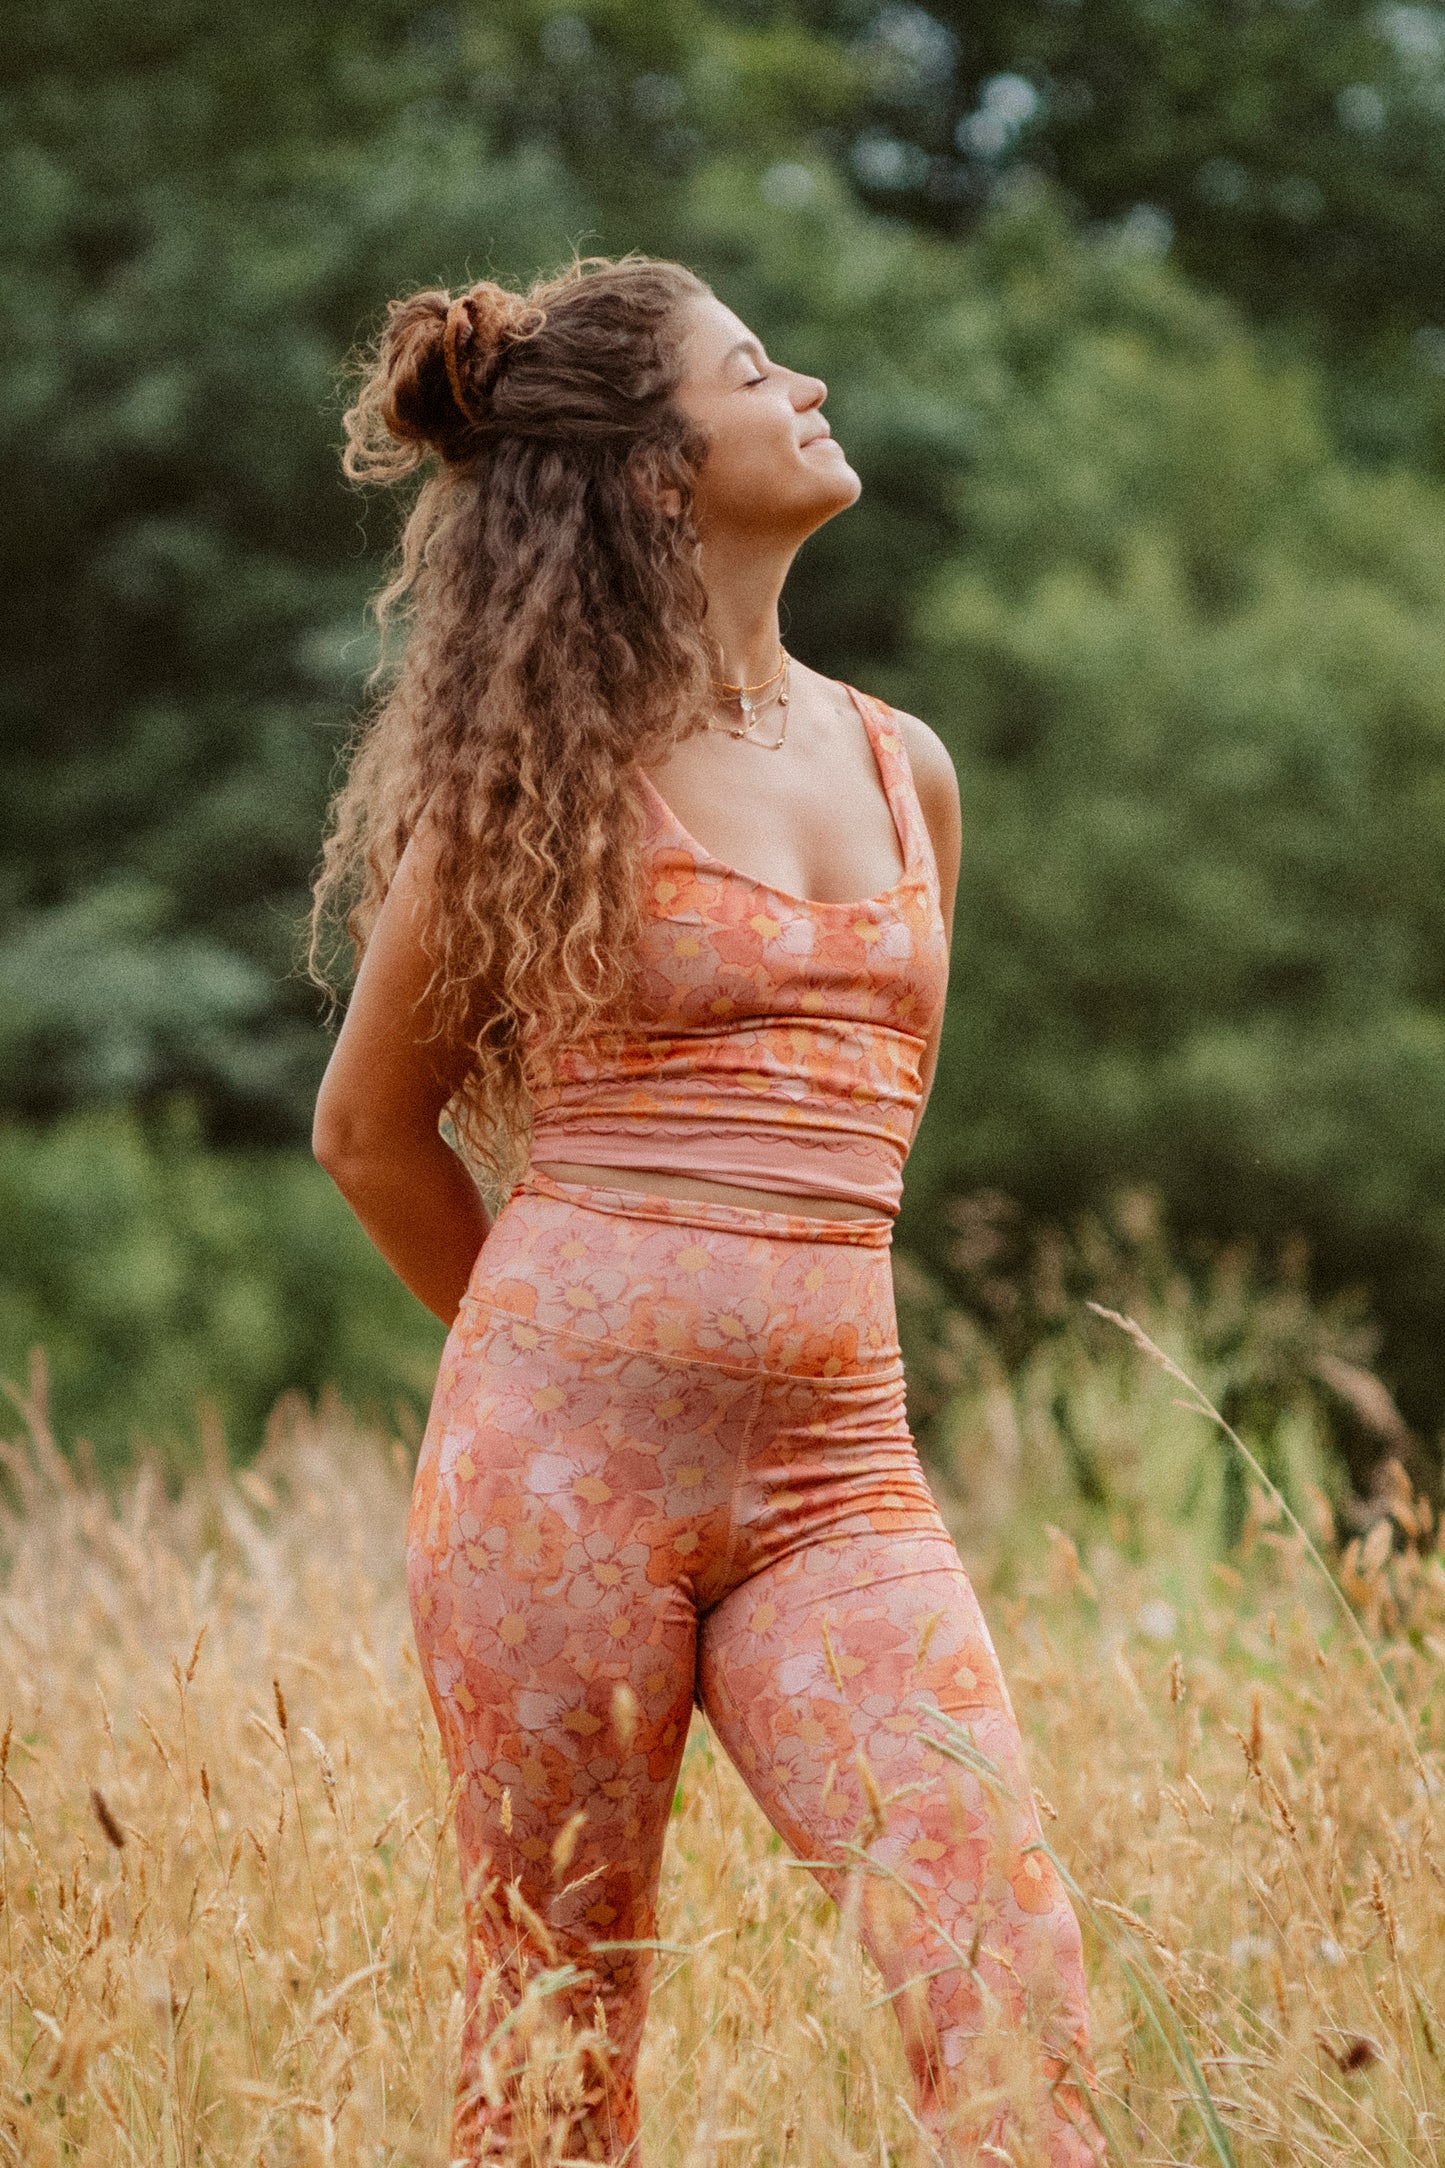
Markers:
(812, 391)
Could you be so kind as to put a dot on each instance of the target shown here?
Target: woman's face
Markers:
(773, 471)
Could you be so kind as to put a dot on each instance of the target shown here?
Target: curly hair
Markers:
(552, 616)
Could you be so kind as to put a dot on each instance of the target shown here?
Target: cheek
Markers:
(754, 455)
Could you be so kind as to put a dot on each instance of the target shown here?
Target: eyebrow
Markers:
(745, 346)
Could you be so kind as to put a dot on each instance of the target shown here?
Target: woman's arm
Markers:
(375, 1130)
(936, 782)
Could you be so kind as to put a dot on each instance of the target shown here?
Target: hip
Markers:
(682, 1388)
(692, 1279)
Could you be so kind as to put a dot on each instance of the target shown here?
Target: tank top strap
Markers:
(881, 723)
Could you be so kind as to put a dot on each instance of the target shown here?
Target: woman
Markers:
(632, 885)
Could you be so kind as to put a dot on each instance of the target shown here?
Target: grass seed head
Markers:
(624, 1713)
(114, 1833)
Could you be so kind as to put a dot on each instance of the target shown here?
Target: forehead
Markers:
(713, 330)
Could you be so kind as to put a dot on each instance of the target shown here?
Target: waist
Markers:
(837, 1170)
(658, 1182)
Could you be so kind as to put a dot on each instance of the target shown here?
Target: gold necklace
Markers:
(752, 709)
(721, 684)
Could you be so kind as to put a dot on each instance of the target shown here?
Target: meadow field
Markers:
(230, 1928)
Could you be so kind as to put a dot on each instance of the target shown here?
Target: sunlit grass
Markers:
(230, 1930)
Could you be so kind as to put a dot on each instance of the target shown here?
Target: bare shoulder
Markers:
(928, 757)
(934, 775)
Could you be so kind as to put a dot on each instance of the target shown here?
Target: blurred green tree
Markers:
(1185, 648)
(158, 1278)
(204, 210)
(1291, 152)
(1192, 668)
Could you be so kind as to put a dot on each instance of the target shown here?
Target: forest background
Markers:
(1133, 318)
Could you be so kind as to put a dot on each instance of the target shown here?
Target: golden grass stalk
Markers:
(1198, 1402)
(267, 1970)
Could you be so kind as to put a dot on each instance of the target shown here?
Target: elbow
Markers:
(328, 1151)
(359, 1145)
(337, 1142)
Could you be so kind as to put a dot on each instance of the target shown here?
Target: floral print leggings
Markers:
(668, 1462)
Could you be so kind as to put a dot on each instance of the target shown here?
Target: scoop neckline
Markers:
(901, 828)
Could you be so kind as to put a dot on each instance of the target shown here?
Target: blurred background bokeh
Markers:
(1133, 320)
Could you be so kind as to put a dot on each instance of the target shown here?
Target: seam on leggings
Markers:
(603, 1344)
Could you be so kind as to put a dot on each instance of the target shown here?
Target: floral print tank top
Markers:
(778, 1042)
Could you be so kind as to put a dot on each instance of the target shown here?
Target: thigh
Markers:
(557, 1523)
(823, 1676)
(851, 1625)
(834, 1657)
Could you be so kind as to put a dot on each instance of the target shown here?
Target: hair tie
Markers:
(459, 314)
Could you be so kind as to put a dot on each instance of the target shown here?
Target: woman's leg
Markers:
(565, 1498)
(829, 1658)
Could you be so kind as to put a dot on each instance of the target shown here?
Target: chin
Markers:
(833, 471)
(800, 512)
(846, 490)
(828, 505)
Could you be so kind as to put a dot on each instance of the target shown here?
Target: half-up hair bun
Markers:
(480, 326)
(429, 384)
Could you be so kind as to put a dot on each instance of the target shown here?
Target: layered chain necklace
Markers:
(756, 700)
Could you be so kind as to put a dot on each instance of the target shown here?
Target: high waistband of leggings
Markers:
(738, 1219)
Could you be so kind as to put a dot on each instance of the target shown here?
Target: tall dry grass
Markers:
(230, 1925)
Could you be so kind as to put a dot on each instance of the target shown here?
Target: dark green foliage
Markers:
(206, 210)
(1192, 668)
(1115, 544)
(1293, 152)
(158, 1276)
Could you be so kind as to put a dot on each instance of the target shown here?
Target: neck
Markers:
(743, 582)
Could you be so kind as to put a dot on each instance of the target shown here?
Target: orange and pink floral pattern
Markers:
(777, 1043)
(668, 1462)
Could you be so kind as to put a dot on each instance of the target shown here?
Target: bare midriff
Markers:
(686, 1185)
